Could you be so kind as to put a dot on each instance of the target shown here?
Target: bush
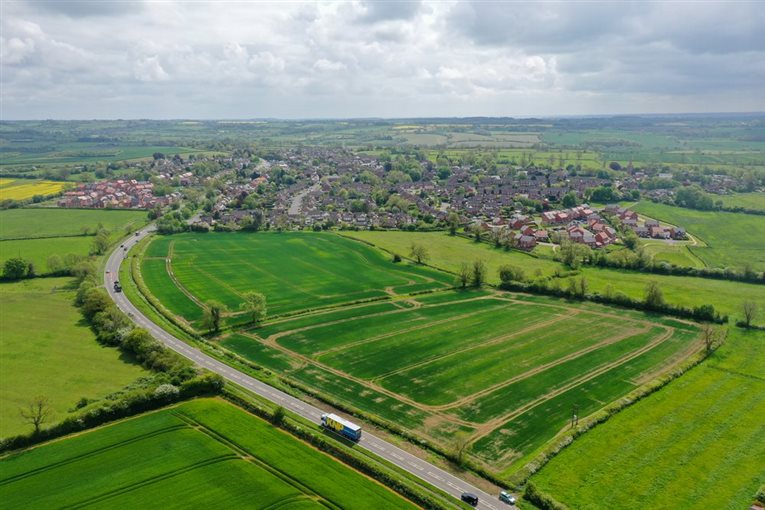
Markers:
(541, 500)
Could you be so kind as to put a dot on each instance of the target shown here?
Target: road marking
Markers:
(437, 477)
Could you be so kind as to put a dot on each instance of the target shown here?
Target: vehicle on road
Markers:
(469, 498)
(341, 426)
(117, 286)
(506, 497)
(136, 234)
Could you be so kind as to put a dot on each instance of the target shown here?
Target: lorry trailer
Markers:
(341, 426)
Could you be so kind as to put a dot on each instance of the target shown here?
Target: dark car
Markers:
(469, 498)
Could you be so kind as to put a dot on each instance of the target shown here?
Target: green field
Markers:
(678, 254)
(478, 362)
(754, 201)
(295, 271)
(698, 443)
(204, 454)
(731, 239)
(447, 252)
(45, 349)
(37, 233)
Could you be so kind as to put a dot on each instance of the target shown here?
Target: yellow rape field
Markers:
(22, 189)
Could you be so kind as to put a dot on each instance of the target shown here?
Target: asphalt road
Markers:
(420, 468)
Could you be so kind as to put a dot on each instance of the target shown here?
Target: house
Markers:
(526, 242)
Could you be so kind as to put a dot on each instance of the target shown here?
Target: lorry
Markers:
(341, 426)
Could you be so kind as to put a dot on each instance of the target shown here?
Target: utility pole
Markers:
(574, 415)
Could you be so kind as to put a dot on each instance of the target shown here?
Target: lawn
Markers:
(23, 189)
(46, 349)
(295, 271)
(731, 239)
(35, 233)
(469, 361)
(698, 443)
(205, 453)
(448, 252)
(674, 253)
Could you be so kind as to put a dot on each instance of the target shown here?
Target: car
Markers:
(469, 498)
(137, 234)
(506, 497)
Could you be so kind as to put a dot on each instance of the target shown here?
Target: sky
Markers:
(217, 59)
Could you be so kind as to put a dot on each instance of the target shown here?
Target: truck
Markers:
(341, 426)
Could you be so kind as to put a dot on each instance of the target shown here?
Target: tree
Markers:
(712, 338)
(463, 275)
(750, 312)
(582, 286)
(479, 273)
(654, 297)
(14, 268)
(55, 264)
(100, 243)
(418, 252)
(255, 305)
(461, 443)
(508, 273)
(212, 315)
(569, 199)
(37, 412)
(453, 220)
(277, 417)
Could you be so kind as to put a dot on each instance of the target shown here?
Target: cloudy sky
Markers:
(219, 59)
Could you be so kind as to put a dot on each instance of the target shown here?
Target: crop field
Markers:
(41, 332)
(23, 189)
(504, 371)
(447, 252)
(696, 444)
(731, 239)
(295, 271)
(37, 233)
(205, 453)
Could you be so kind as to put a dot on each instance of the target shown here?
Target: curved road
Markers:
(420, 468)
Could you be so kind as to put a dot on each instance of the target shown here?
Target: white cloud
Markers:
(238, 59)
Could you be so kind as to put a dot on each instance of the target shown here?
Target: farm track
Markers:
(489, 426)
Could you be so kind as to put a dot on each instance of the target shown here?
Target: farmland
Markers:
(698, 443)
(731, 239)
(295, 271)
(212, 453)
(755, 201)
(37, 233)
(24, 189)
(40, 334)
(431, 363)
(437, 367)
(447, 252)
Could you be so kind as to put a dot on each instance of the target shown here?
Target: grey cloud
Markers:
(385, 10)
(88, 8)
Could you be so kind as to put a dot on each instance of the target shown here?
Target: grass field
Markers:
(45, 349)
(698, 443)
(676, 253)
(295, 271)
(205, 454)
(754, 201)
(36, 233)
(447, 252)
(476, 362)
(23, 189)
(732, 239)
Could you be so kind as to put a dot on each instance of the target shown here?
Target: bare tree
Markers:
(37, 412)
(750, 312)
(712, 337)
(461, 444)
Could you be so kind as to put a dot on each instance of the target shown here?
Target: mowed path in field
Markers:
(295, 271)
(205, 453)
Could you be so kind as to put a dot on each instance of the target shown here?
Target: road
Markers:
(418, 467)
